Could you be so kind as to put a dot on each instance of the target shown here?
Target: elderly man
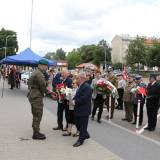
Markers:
(98, 98)
(63, 105)
(152, 104)
(137, 96)
(37, 85)
(82, 101)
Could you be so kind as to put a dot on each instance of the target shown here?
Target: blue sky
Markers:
(69, 24)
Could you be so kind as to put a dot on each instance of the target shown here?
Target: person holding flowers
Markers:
(98, 98)
(113, 79)
(63, 103)
(70, 93)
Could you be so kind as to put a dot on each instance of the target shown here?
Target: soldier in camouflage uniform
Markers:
(37, 85)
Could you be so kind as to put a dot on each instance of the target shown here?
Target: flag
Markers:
(124, 73)
(142, 91)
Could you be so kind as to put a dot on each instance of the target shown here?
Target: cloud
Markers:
(72, 23)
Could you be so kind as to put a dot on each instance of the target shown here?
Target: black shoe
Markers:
(149, 129)
(146, 128)
(66, 134)
(38, 136)
(77, 144)
(88, 137)
(124, 119)
(129, 120)
(99, 121)
(57, 128)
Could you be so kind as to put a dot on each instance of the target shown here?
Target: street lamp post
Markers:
(105, 59)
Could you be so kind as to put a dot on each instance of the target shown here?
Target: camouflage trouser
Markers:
(37, 112)
(128, 106)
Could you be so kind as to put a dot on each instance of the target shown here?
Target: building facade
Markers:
(119, 46)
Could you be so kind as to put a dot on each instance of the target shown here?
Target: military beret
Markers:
(43, 61)
(138, 77)
(153, 76)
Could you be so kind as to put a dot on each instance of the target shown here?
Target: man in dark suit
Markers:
(82, 101)
(63, 105)
(152, 104)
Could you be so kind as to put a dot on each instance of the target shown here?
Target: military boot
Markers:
(38, 136)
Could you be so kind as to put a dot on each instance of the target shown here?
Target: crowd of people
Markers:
(78, 98)
(13, 76)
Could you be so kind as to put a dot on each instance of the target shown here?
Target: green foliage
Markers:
(73, 59)
(60, 54)
(118, 66)
(153, 56)
(86, 53)
(136, 52)
(12, 44)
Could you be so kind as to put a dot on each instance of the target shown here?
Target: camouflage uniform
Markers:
(37, 85)
(128, 101)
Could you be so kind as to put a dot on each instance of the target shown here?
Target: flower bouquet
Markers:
(68, 92)
(139, 90)
(106, 87)
(60, 88)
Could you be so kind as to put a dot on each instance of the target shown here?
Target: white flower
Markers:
(68, 92)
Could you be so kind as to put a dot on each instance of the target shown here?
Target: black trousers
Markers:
(135, 107)
(98, 103)
(61, 108)
(120, 99)
(82, 124)
(152, 111)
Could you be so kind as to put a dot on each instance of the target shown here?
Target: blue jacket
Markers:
(57, 79)
(83, 100)
(68, 82)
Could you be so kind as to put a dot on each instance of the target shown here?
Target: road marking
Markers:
(142, 129)
(129, 131)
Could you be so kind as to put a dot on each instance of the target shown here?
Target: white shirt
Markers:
(121, 83)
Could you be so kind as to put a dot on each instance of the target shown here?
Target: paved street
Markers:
(16, 132)
(108, 141)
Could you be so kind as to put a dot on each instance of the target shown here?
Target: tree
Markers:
(60, 54)
(136, 52)
(87, 53)
(104, 49)
(96, 53)
(153, 56)
(12, 44)
(73, 58)
(50, 55)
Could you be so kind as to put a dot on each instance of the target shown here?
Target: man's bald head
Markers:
(65, 73)
(81, 78)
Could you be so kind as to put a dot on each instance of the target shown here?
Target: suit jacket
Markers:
(68, 82)
(57, 79)
(83, 100)
(153, 91)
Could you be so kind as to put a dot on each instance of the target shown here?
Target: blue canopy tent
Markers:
(26, 57)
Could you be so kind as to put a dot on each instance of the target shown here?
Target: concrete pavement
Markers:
(16, 132)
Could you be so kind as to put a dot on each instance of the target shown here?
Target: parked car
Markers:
(25, 76)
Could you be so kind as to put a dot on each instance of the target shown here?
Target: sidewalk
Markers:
(16, 133)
